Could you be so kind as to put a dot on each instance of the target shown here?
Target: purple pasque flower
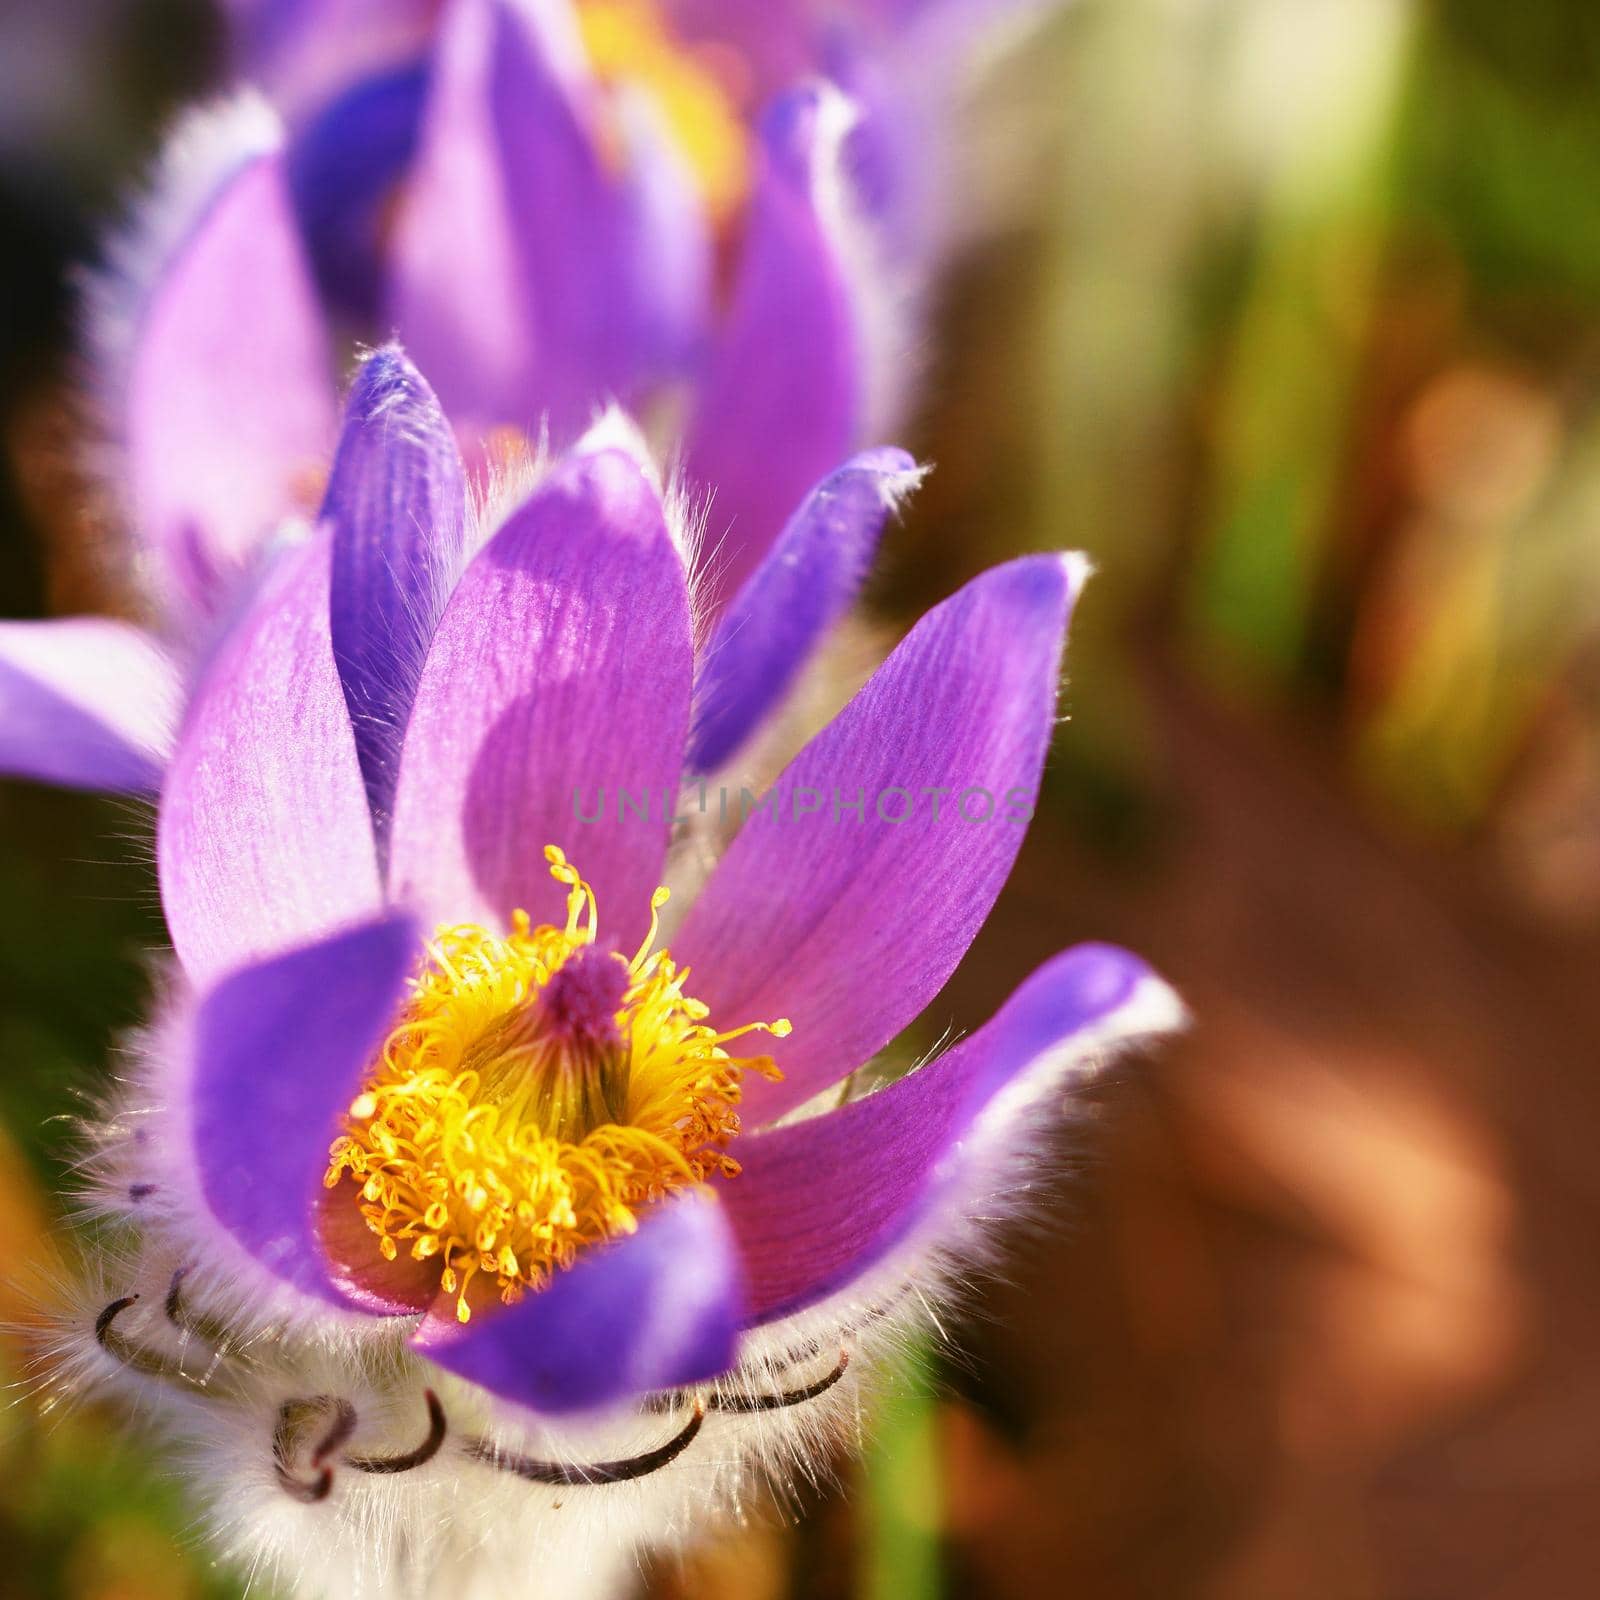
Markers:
(440, 1116)
(538, 234)
(356, 73)
(602, 155)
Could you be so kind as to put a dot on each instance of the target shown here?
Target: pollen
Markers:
(537, 1092)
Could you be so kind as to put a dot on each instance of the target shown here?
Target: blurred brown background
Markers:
(1289, 312)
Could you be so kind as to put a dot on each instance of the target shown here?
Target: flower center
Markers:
(536, 1093)
(626, 41)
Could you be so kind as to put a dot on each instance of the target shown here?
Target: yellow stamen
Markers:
(627, 41)
(515, 1116)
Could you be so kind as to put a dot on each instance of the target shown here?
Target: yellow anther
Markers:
(501, 1131)
(628, 41)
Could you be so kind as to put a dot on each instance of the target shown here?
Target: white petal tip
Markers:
(614, 429)
(1078, 568)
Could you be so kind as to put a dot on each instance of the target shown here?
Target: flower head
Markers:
(590, 202)
(442, 1126)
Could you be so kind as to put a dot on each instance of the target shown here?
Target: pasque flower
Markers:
(716, 214)
(540, 233)
(461, 1187)
(704, 67)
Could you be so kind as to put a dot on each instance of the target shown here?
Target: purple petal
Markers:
(664, 254)
(809, 578)
(229, 410)
(888, 1161)
(655, 1310)
(264, 839)
(458, 297)
(910, 70)
(903, 120)
(559, 676)
(86, 703)
(782, 402)
(506, 260)
(849, 925)
(344, 170)
(396, 505)
(278, 1050)
(305, 50)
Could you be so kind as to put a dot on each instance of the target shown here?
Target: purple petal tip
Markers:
(656, 1310)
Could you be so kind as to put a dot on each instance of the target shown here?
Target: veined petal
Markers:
(264, 839)
(820, 1202)
(806, 583)
(558, 678)
(87, 703)
(783, 399)
(277, 1050)
(224, 401)
(654, 1310)
(847, 921)
(507, 251)
(396, 507)
(344, 169)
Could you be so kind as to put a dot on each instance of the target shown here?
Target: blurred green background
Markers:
(1289, 312)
